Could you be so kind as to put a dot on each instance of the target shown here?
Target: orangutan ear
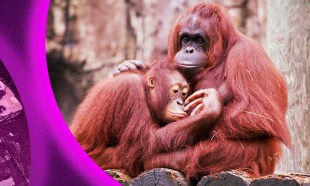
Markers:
(151, 82)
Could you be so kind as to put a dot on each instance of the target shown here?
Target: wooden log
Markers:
(119, 176)
(169, 177)
(238, 178)
(160, 176)
(283, 180)
(229, 178)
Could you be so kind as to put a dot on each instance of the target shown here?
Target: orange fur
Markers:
(252, 126)
(117, 127)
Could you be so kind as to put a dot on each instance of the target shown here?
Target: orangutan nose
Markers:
(180, 102)
(189, 50)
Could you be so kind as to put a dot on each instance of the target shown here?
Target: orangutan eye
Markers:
(184, 92)
(175, 91)
(198, 40)
(185, 39)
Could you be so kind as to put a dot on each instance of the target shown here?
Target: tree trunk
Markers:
(288, 45)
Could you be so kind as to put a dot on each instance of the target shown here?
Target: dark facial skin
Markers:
(193, 46)
(176, 91)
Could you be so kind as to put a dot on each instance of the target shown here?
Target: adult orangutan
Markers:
(251, 127)
(119, 117)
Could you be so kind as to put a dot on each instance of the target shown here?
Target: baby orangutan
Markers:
(123, 120)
